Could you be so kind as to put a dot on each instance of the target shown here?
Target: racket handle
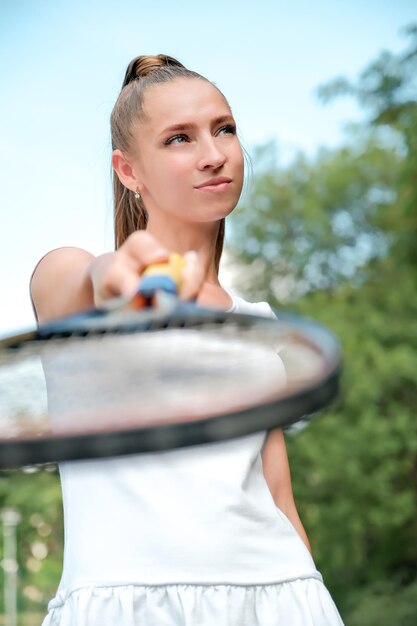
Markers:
(165, 277)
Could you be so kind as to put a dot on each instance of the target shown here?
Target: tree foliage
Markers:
(315, 224)
(387, 89)
(36, 496)
(335, 238)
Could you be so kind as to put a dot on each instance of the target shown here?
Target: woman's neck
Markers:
(184, 237)
(213, 295)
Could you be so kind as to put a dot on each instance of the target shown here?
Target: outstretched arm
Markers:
(71, 280)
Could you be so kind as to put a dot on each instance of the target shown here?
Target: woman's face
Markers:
(187, 157)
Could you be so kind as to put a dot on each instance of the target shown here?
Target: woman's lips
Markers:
(215, 184)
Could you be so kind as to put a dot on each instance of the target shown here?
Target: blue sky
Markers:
(62, 64)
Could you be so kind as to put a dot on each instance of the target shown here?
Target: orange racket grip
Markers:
(166, 277)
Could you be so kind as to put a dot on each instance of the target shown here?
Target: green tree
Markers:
(36, 495)
(387, 90)
(315, 223)
(335, 238)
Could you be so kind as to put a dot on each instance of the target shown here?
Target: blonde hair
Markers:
(142, 72)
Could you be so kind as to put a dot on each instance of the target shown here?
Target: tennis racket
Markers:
(156, 373)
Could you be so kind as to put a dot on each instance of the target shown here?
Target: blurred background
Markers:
(325, 98)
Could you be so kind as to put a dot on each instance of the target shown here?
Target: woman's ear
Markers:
(125, 171)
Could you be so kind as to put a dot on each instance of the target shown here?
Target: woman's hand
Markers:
(118, 273)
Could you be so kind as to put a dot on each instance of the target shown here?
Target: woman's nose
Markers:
(211, 156)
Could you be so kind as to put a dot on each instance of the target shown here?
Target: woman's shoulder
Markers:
(240, 305)
(59, 284)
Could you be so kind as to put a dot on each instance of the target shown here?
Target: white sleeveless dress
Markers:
(190, 537)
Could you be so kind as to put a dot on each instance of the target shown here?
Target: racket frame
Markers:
(283, 412)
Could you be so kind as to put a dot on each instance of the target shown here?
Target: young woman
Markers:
(208, 535)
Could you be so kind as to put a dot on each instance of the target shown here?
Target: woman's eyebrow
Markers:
(222, 119)
(177, 127)
(189, 125)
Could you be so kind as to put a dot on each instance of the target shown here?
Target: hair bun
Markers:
(144, 65)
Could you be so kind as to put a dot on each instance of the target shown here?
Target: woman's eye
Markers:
(229, 129)
(176, 139)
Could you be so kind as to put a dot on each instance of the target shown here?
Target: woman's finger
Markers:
(120, 278)
(192, 276)
(143, 249)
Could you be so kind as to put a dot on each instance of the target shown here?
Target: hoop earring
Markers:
(137, 194)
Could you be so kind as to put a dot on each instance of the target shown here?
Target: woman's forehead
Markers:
(183, 100)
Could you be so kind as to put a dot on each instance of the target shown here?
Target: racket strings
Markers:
(178, 371)
(170, 375)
